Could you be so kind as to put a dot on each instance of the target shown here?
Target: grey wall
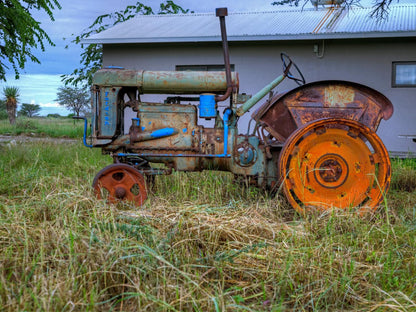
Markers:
(366, 61)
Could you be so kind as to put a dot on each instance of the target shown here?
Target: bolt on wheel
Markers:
(334, 163)
(120, 182)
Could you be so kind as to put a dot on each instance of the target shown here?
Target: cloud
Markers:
(38, 89)
(50, 105)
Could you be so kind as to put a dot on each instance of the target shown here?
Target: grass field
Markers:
(200, 243)
(43, 126)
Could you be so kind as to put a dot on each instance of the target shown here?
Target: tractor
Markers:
(317, 142)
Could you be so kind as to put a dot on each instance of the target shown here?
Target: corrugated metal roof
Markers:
(273, 25)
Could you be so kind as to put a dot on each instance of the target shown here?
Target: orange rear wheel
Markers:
(334, 163)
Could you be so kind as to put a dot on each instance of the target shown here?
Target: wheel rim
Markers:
(120, 182)
(334, 163)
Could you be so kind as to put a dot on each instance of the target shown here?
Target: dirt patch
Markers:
(26, 139)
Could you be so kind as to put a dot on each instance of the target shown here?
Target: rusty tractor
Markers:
(317, 142)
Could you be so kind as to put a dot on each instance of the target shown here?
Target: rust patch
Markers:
(338, 96)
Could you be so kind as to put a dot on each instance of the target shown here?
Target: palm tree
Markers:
(12, 96)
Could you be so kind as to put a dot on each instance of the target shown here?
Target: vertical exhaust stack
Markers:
(222, 13)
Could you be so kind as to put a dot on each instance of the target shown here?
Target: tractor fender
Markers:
(288, 111)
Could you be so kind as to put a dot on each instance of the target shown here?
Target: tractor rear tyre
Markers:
(334, 163)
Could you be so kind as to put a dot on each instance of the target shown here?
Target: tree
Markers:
(73, 98)
(29, 110)
(91, 57)
(12, 95)
(20, 32)
(380, 7)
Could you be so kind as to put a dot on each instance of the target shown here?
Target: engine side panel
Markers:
(181, 118)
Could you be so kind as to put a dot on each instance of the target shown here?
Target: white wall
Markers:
(366, 61)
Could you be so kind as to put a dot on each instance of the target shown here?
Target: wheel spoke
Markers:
(107, 181)
(129, 180)
(376, 157)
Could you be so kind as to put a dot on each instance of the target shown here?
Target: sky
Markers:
(38, 83)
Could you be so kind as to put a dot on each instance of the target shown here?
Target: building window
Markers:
(404, 74)
(202, 67)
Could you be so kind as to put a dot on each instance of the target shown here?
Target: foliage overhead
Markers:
(73, 98)
(91, 57)
(20, 32)
(29, 110)
(380, 7)
(11, 95)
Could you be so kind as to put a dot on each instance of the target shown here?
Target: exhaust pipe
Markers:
(222, 13)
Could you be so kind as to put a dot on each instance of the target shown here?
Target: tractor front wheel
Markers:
(120, 182)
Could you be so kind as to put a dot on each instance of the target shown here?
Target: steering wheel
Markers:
(287, 64)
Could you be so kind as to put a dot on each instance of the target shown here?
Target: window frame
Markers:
(203, 67)
(394, 83)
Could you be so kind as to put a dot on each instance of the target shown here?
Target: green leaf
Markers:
(20, 32)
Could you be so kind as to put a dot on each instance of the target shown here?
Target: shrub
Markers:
(3, 114)
(54, 116)
(26, 125)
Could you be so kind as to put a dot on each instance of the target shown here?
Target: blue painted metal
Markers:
(247, 157)
(253, 162)
(114, 67)
(84, 137)
(207, 106)
(226, 117)
(142, 136)
(137, 120)
(109, 112)
(160, 133)
(171, 155)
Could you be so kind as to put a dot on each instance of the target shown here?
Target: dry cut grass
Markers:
(200, 243)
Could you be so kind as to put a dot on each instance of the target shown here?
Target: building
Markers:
(328, 43)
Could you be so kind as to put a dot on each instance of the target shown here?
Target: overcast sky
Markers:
(76, 15)
(39, 83)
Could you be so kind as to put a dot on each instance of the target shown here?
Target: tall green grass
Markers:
(50, 127)
(200, 243)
